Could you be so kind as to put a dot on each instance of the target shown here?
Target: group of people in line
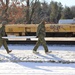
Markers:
(40, 34)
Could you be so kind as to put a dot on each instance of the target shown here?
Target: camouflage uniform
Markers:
(41, 34)
(3, 41)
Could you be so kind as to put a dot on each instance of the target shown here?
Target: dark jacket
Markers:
(41, 30)
(2, 31)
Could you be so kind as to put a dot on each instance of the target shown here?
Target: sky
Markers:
(64, 2)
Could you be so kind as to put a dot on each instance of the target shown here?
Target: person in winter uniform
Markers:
(41, 34)
(3, 41)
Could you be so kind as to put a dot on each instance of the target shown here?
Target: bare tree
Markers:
(4, 14)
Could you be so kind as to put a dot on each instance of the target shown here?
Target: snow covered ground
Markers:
(28, 68)
(21, 61)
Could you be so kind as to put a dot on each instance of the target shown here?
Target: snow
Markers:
(27, 68)
(66, 21)
(22, 61)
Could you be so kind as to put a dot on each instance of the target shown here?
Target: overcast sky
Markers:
(64, 2)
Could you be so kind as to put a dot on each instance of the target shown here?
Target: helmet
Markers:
(4, 23)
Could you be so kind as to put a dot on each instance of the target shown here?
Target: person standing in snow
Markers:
(41, 34)
(3, 41)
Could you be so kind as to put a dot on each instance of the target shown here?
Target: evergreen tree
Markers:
(56, 9)
(66, 13)
(73, 11)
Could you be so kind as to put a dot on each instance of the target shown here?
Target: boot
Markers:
(48, 52)
(9, 51)
(35, 52)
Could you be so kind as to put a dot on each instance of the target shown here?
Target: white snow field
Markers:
(22, 61)
(30, 68)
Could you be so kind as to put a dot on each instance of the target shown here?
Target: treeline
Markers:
(32, 11)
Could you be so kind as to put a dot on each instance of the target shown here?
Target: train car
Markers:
(52, 30)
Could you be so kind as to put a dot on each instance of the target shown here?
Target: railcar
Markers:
(52, 30)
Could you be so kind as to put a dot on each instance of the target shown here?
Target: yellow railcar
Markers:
(51, 30)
